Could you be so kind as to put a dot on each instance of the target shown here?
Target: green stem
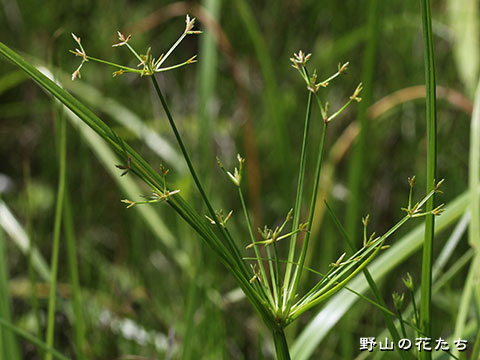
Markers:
(232, 257)
(56, 235)
(277, 266)
(273, 278)
(298, 200)
(301, 261)
(263, 274)
(169, 52)
(426, 287)
(281, 346)
(126, 68)
(414, 307)
(231, 245)
(402, 326)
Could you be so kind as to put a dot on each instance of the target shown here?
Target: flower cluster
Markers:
(147, 65)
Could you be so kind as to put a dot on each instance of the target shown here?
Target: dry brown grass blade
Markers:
(402, 96)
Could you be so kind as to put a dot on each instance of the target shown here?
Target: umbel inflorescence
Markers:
(147, 65)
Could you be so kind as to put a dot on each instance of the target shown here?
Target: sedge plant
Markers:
(270, 282)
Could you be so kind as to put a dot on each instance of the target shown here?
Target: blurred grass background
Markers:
(148, 286)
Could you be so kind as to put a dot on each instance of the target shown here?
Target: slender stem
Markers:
(301, 261)
(339, 111)
(426, 287)
(402, 326)
(273, 277)
(281, 346)
(231, 245)
(126, 68)
(263, 274)
(232, 258)
(334, 76)
(56, 236)
(173, 67)
(414, 306)
(298, 200)
(132, 50)
(165, 57)
(277, 266)
(256, 285)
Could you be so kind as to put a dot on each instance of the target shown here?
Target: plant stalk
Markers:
(431, 116)
(298, 200)
(301, 261)
(281, 346)
(233, 248)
